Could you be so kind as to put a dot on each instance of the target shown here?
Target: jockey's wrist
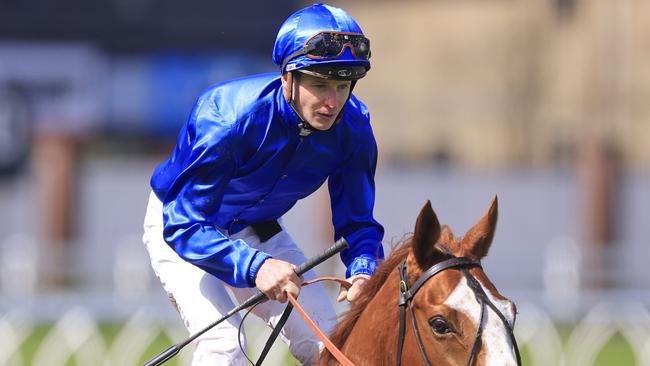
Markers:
(254, 267)
(363, 264)
(358, 277)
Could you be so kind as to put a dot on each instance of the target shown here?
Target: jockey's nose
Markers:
(331, 101)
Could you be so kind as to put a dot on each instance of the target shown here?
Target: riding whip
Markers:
(300, 270)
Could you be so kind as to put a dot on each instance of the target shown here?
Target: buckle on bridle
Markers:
(403, 287)
(403, 293)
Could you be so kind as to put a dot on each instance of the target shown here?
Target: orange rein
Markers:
(328, 344)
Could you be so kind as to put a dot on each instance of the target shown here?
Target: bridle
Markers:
(407, 294)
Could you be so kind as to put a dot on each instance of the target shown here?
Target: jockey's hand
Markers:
(276, 278)
(358, 281)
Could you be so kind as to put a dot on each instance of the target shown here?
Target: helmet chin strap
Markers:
(305, 127)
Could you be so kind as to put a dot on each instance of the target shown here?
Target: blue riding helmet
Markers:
(345, 51)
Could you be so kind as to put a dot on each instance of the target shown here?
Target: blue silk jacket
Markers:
(240, 159)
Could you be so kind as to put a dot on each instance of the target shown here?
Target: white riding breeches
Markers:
(201, 298)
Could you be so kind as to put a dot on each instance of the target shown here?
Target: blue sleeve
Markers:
(352, 193)
(198, 171)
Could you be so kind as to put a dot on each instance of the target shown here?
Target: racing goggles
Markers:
(329, 45)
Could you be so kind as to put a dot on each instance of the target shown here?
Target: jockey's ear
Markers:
(478, 239)
(426, 235)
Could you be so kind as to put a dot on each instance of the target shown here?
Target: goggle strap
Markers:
(303, 51)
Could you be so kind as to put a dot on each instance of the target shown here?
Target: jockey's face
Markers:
(318, 100)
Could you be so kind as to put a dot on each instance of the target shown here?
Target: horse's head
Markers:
(460, 316)
(430, 302)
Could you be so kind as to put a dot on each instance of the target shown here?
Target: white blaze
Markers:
(496, 341)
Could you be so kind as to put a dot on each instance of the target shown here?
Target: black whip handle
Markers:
(340, 245)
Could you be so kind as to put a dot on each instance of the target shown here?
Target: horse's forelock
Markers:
(449, 240)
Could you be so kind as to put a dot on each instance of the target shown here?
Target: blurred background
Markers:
(541, 102)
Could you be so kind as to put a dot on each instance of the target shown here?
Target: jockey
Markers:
(250, 149)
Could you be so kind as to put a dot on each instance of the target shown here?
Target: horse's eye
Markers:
(440, 325)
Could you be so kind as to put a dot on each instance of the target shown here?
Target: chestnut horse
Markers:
(450, 312)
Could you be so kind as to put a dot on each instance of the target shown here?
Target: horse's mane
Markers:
(344, 327)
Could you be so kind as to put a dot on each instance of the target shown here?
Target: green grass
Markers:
(108, 331)
(162, 342)
(31, 344)
(617, 352)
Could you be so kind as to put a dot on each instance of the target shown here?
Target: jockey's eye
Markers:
(439, 325)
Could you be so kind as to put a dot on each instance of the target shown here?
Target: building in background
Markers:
(503, 84)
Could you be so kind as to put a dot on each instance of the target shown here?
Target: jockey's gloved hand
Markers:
(276, 278)
(352, 294)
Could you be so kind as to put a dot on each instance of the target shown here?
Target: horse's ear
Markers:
(427, 232)
(478, 239)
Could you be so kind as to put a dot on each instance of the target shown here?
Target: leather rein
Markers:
(407, 293)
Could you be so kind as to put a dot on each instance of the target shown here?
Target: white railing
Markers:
(77, 336)
(588, 337)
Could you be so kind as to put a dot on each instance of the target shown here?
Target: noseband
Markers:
(406, 300)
